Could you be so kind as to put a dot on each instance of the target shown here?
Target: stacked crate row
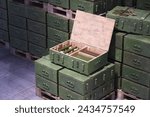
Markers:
(3, 21)
(27, 26)
(67, 84)
(133, 55)
(85, 72)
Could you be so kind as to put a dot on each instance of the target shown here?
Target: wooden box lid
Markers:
(92, 30)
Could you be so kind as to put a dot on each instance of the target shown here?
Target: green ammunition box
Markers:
(67, 94)
(83, 84)
(36, 14)
(70, 25)
(19, 44)
(17, 33)
(17, 21)
(58, 22)
(136, 75)
(75, 81)
(85, 52)
(37, 39)
(46, 85)
(143, 4)
(136, 61)
(129, 19)
(95, 7)
(3, 4)
(17, 8)
(60, 3)
(137, 44)
(135, 89)
(57, 35)
(3, 24)
(37, 27)
(4, 35)
(37, 50)
(116, 55)
(51, 43)
(46, 69)
(3, 14)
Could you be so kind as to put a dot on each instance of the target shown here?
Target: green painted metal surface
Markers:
(135, 89)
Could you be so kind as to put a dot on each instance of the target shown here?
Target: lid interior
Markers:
(93, 30)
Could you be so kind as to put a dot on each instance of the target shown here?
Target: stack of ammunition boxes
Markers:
(76, 70)
(3, 21)
(134, 54)
(143, 4)
(27, 25)
(18, 25)
(37, 32)
(36, 25)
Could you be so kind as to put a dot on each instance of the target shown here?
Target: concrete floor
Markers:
(17, 77)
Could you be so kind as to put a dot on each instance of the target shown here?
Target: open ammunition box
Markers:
(87, 49)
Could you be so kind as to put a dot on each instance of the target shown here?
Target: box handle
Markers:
(148, 28)
(95, 81)
(72, 61)
(134, 76)
(69, 97)
(122, 24)
(134, 90)
(112, 72)
(136, 62)
(87, 86)
(57, 23)
(83, 67)
(45, 73)
(62, 59)
(70, 84)
(135, 26)
(80, 7)
(117, 22)
(103, 90)
(96, 8)
(137, 48)
(104, 77)
(57, 1)
(52, 56)
(45, 86)
(57, 36)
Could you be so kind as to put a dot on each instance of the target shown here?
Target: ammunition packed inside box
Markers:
(87, 49)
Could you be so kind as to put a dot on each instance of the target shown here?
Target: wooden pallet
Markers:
(45, 95)
(111, 96)
(4, 44)
(125, 96)
(33, 57)
(59, 11)
(20, 53)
